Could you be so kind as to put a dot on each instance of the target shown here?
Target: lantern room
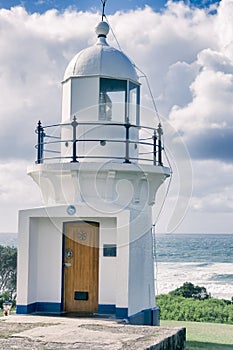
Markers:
(101, 86)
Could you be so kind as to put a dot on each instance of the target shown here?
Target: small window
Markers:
(109, 250)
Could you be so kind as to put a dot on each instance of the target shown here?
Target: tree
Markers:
(8, 269)
(188, 290)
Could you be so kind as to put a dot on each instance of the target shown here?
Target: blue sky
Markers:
(111, 6)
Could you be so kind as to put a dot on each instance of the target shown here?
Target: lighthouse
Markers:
(89, 249)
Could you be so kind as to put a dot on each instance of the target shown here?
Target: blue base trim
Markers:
(149, 317)
(26, 309)
(48, 307)
(121, 312)
(38, 307)
(106, 309)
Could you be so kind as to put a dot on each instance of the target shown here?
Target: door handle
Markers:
(67, 264)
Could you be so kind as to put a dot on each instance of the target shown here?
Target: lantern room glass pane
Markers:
(112, 99)
(133, 103)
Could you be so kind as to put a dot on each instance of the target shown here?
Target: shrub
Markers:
(188, 290)
(188, 309)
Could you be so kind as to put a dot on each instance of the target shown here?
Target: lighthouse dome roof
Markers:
(101, 60)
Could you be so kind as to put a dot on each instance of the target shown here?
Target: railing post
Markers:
(127, 127)
(74, 154)
(155, 147)
(160, 133)
(40, 141)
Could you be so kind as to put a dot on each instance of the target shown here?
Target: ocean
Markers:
(8, 239)
(203, 259)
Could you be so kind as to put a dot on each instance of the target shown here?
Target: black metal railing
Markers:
(47, 143)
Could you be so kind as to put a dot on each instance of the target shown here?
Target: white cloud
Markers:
(216, 194)
(211, 106)
(156, 41)
(224, 27)
(186, 52)
(17, 191)
(206, 121)
(35, 50)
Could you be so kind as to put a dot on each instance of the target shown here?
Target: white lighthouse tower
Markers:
(88, 250)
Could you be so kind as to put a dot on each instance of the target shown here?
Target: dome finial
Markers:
(102, 29)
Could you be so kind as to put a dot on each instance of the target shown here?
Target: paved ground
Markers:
(57, 333)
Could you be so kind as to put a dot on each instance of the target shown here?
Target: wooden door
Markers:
(81, 267)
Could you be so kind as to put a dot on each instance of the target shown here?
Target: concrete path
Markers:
(86, 333)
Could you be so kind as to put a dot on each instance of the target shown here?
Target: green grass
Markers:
(205, 336)
(195, 345)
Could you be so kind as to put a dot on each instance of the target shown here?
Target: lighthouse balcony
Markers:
(99, 141)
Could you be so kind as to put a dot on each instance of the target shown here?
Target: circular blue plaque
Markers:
(71, 210)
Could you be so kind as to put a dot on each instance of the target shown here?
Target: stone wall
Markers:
(175, 341)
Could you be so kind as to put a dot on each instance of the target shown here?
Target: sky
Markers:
(186, 50)
(94, 5)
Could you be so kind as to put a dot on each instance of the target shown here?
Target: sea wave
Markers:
(217, 278)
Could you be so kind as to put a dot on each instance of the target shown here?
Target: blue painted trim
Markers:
(106, 309)
(38, 307)
(148, 317)
(155, 316)
(26, 309)
(121, 312)
(48, 307)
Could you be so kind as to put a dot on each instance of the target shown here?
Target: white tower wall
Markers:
(77, 102)
(141, 262)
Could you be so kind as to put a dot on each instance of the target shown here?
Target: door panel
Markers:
(81, 270)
